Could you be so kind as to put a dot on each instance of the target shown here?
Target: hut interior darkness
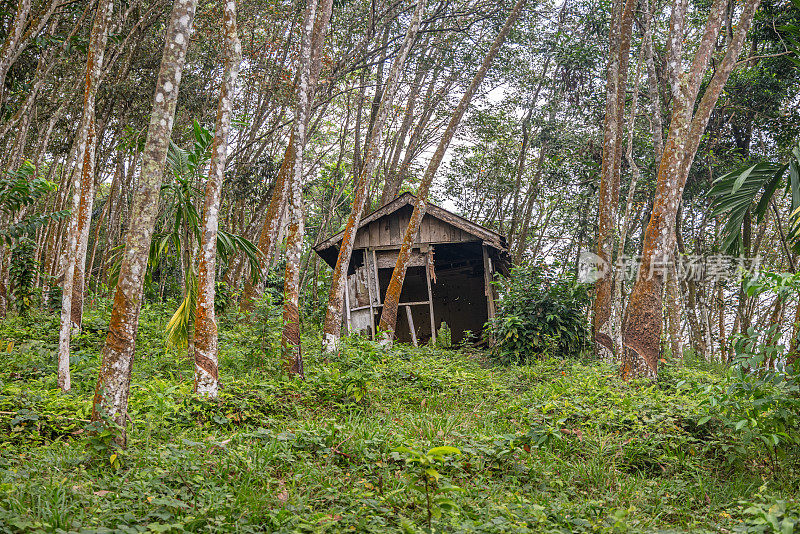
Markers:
(448, 278)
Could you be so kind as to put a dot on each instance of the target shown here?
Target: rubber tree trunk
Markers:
(206, 371)
(290, 338)
(608, 196)
(82, 187)
(277, 206)
(333, 316)
(521, 165)
(642, 325)
(88, 174)
(393, 178)
(113, 384)
(622, 227)
(11, 41)
(390, 302)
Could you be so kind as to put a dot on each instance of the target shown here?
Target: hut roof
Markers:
(329, 249)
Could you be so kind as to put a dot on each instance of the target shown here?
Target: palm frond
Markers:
(28, 225)
(794, 179)
(182, 321)
(228, 244)
(736, 192)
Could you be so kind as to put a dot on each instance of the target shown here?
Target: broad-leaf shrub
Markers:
(23, 275)
(540, 314)
(760, 403)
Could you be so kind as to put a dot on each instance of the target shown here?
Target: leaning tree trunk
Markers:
(206, 375)
(82, 184)
(389, 313)
(391, 183)
(290, 339)
(613, 125)
(642, 326)
(113, 383)
(13, 36)
(333, 316)
(280, 193)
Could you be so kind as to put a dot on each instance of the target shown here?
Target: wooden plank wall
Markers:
(388, 232)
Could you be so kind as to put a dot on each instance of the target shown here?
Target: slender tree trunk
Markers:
(520, 167)
(10, 44)
(333, 316)
(104, 216)
(613, 125)
(82, 187)
(113, 383)
(521, 240)
(622, 230)
(690, 286)
(747, 240)
(357, 131)
(526, 131)
(389, 313)
(206, 375)
(792, 356)
(280, 194)
(673, 314)
(393, 178)
(290, 339)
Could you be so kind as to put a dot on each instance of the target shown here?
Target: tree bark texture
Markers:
(290, 338)
(82, 186)
(642, 326)
(98, 46)
(608, 196)
(206, 373)
(113, 383)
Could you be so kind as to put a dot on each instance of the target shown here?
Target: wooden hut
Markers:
(448, 279)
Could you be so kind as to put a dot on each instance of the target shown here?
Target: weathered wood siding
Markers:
(388, 231)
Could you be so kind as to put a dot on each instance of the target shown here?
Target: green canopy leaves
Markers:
(19, 189)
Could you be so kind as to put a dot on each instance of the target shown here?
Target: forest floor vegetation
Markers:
(407, 440)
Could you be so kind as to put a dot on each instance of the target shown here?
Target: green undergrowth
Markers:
(554, 446)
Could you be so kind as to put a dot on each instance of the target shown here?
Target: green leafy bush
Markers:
(23, 274)
(540, 315)
(759, 404)
(759, 410)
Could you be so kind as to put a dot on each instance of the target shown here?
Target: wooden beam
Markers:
(487, 284)
(369, 291)
(377, 280)
(414, 303)
(347, 302)
(430, 295)
(411, 326)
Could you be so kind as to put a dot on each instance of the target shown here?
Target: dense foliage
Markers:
(553, 446)
(540, 315)
(660, 134)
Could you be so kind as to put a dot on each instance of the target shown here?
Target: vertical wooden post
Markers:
(347, 302)
(430, 294)
(377, 280)
(488, 290)
(411, 326)
(368, 269)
